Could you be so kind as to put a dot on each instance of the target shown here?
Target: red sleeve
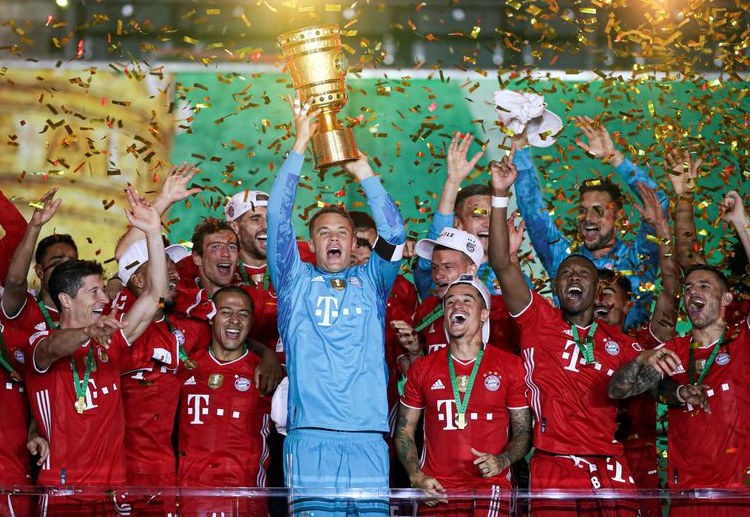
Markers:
(14, 226)
(413, 396)
(401, 305)
(539, 309)
(194, 303)
(517, 391)
(155, 344)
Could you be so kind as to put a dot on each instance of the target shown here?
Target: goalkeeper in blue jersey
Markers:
(331, 321)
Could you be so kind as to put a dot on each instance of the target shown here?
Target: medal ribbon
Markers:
(181, 351)
(587, 348)
(79, 386)
(434, 314)
(709, 361)
(461, 405)
(47, 318)
(5, 359)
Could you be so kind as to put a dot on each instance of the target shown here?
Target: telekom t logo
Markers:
(329, 309)
(197, 406)
(447, 411)
(573, 354)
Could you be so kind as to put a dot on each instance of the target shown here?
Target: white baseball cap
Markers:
(522, 110)
(137, 254)
(243, 201)
(477, 283)
(454, 239)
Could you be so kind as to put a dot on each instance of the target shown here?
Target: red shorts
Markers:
(642, 462)
(489, 501)
(709, 508)
(590, 473)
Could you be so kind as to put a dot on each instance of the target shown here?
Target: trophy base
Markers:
(334, 148)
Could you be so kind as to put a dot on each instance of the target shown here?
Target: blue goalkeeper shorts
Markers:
(318, 462)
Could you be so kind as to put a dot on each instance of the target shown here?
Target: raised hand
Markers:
(175, 186)
(407, 337)
(682, 170)
(458, 167)
(46, 208)
(651, 211)
(304, 122)
(359, 168)
(102, 329)
(732, 209)
(599, 144)
(504, 174)
(142, 214)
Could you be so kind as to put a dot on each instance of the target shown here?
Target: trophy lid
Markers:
(309, 33)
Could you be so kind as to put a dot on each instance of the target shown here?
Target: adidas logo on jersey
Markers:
(317, 279)
(438, 385)
(190, 381)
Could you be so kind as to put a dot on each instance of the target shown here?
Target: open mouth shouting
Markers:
(233, 333)
(333, 252)
(224, 269)
(457, 319)
(601, 310)
(695, 305)
(574, 292)
(591, 231)
(262, 238)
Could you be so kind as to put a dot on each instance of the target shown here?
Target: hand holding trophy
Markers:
(316, 61)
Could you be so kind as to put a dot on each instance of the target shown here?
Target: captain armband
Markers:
(388, 251)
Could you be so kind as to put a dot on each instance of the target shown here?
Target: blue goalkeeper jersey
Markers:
(332, 325)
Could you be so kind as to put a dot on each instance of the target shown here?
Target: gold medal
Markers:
(215, 380)
(461, 421)
(338, 283)
(15, 376)
(463, 382)
(81, 405)
(189, 364)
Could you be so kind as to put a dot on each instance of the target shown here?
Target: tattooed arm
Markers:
(406, 449)
(643, 373)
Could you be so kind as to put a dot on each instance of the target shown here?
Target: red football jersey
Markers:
(223, 423)
(14, 456)
(504, 332)
(87, 448)
(401, 304)
(573, 413)
(498, 387)
(30, 318)
(711, 450)
(150, 396)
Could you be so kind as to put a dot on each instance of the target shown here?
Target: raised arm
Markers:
(143, 216)
(548, 242)
(733, 212)
(664, 316)
(515, 291)
(63, 342)
(683, 174)
(16, 283)
(283, 254)
(643, 373)
(14, 226)
(175, 189)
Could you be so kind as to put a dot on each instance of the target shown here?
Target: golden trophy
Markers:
(318, 66)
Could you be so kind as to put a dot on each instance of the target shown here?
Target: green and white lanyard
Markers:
(246, 278)
(79, 386)
(461, 405)
(5, 360)
(190, 364)
(433, 315)
(45, 313)
(586, 348)
(709, 362)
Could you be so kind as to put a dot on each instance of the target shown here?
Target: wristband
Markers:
(500, 201)
(677, 394)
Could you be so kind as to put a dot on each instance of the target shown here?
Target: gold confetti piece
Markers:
(212, 12)
(588, 10)
(188, 39)
(36, 204)
(333, 8)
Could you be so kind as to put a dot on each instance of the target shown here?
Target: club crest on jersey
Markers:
(179, 336)
(723, 358)
(492, 382)
(338, 283)
(215, 380)
(103, 356)
(612, 347)
(18, 354)
(242, 384)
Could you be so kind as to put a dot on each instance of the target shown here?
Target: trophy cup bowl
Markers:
(316, 61)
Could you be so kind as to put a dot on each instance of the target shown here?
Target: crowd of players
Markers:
(164, 376)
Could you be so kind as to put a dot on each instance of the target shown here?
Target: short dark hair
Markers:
(68, 278)
(602, 185)
(479, 189)
(440, 247)
(623, 282)
(362, 220)
(234, 289)
(51, 240)
(207, 226)
(711, 269)
(331, 209)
